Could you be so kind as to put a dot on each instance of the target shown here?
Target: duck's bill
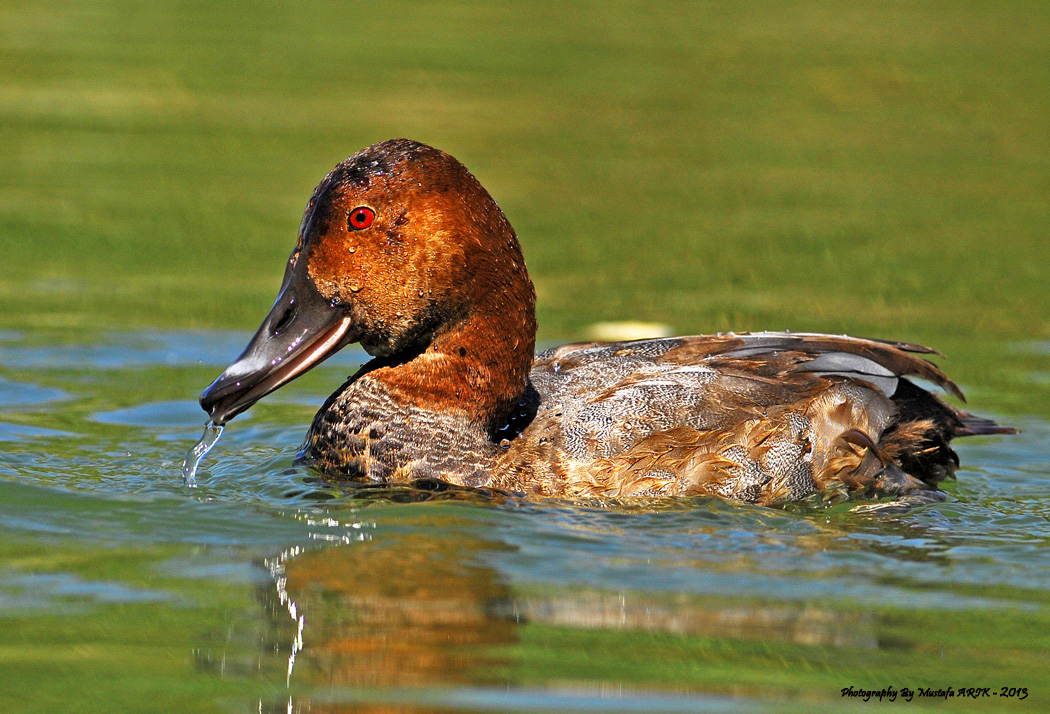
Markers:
(301, 330)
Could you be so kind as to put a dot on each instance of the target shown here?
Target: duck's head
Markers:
(400, 249)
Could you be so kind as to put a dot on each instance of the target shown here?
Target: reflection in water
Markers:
(411, 611)
(364, 623)
(681, 615)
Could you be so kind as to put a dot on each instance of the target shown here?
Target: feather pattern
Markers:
(764, 417)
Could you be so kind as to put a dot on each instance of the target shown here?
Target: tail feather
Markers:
(980, 426)
(919, 439)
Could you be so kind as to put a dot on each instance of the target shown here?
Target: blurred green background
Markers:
(879, 168)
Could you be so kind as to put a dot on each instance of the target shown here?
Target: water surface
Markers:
(267, 589)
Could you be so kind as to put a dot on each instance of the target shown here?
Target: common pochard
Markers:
(403, 251)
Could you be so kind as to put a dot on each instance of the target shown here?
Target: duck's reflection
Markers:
(360, 624)
(407, 612)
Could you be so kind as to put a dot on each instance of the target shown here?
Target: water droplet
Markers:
(505, 444)
(351, 249)
(556, 367)
(212, 432)
(354, 286)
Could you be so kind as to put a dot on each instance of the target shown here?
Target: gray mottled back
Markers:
(756, 417)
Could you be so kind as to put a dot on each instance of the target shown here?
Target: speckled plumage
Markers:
(437, 290)
(746, 417)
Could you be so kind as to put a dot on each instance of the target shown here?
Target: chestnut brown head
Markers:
(399, 244)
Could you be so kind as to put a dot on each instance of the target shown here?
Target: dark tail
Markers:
(979, 426)
(919, 438)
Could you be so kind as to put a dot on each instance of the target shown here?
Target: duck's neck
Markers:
(477, 366)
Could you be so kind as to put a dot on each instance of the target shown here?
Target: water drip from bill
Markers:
(212, 432)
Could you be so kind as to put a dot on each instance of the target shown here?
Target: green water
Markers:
(266, 588)
(880, 168)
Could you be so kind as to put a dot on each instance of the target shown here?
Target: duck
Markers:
(402, 251)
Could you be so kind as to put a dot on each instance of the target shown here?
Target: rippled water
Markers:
(266, 589)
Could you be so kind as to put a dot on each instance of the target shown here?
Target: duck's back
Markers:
(764, 417)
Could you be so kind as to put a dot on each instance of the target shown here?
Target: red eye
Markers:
(361, 218)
